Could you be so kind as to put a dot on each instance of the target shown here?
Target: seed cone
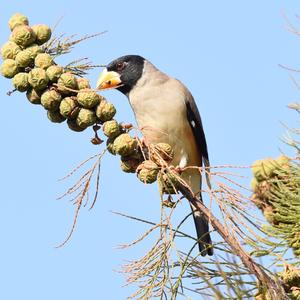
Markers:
(51, 100)
(66, 83)
(161, 151)
(254, 184)
(147, 171)
(34, 96)
(43, 61)
(130, 163)
(86, 118)
(69, 107)
(34, 50)
(125, 145)
(74, 126)
(16, 20)
(38, 78)
(111, 128)
(24, 59)
(105, 111)
(55, 116)
(10, 50)
(23, 35)
(9, 68)
(88, 98)
(83, 83)
(20, 82)
(291, 277)
(42, 32)
(110, 146)
(54, 72)
(263, 169)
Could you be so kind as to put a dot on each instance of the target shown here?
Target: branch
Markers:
(275, 287)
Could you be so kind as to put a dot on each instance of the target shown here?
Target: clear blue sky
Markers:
(226, 52)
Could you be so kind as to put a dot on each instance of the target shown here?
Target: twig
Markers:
(275, 287)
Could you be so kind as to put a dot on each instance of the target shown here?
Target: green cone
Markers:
(88, 98)
(66, 83)
(42, 32)
(105, 111)
(23, 59)
(23, 35)
(291, 277)
(10, 50)
(38, 79)
(16, 20)
(20, 82)
(264, 168)
(162, 151)
(129, 164)
(55, 116)
(43, 61)
(54, 72)
(253, 184)
(110, 146)
(74, 126)
(9, 68)
(111, 128)
(147, 171)
(34, 96)
(34, 50)
(83, 83)
(86, 118)
(69, 107)
(51, 100)
(124, 144)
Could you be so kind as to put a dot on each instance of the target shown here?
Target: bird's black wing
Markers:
(194, 119)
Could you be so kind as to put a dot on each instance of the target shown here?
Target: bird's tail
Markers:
(203, 236)
(193, 178)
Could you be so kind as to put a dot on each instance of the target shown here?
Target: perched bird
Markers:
(166, 112)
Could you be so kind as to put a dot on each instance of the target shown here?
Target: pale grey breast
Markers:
(158, 102)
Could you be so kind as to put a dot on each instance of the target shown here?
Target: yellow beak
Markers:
(108, 80)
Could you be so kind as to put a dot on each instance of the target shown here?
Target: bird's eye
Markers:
(121, 65)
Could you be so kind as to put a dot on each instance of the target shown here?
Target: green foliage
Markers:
(277, 194)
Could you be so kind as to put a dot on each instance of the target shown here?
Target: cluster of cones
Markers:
(65, 96)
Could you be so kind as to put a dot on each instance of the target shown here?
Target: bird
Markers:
(166, 112)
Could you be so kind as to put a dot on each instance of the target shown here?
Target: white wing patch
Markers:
(193, 123)
(183, 161)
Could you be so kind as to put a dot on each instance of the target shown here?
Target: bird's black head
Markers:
(122, 73)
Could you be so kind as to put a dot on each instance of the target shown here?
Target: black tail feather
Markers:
(202, 229)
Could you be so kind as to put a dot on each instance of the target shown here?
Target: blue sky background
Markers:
(226, 52)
